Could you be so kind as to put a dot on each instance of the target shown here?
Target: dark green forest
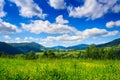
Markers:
(91, 52)
(110, 50)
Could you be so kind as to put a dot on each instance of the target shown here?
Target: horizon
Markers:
(57, 45)
(59, 22)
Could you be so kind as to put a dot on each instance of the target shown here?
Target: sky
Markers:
(59, 22)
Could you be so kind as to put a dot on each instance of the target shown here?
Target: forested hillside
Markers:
(111, 43)
(6, 48)
(27, 47)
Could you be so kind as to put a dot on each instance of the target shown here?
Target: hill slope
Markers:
(6, 48)
(59, 47)
(27, 47)
(112, 43)
(78, 47)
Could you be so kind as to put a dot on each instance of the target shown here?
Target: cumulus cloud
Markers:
(28, 39)
(116, 8)
(7, 38)
(2, 13)
(112, 33)
(67, 34)
(27, 8)
(17, 39)
(92, 9)
(57, 4)
(112, 24)
(39, 26)
(96, 32)
(60, 20)
(66, 39)
(6, 27)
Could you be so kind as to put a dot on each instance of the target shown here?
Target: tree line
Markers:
(101, 53)
(91, 52)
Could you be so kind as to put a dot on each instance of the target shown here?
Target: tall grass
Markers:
(54, 69)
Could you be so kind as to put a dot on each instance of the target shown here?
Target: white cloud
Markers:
(30, 39)
(27, 8)
(116, 8)
(68, 40)
(117, 23)
(112, 24)
(60, 20)
(68, 35)
(2, 13)
(21, 40)
(26, 39)
(57, 4)
(39, 26)
(65, 40)
(6, 27)
(64, 37)
(17, 39)
(92, 9)
(94, 32)
(112, 33)
(7, 38)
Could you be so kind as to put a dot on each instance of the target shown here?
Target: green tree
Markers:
(45, 54)
(110, 53)
(51, 54)
(92, 52)
(19, 56)
(117, 52)
(31, 55)
(3, 55)
(101, 53)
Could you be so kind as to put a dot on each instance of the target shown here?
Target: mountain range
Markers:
(111, 43)
(78, 47)
(27, 47)
(17, 48)
(6, 48)
(59, 47)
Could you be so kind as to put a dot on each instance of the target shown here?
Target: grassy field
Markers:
(54, 69)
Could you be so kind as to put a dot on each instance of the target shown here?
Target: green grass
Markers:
(56, 69)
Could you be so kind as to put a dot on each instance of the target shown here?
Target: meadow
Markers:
(59, 69)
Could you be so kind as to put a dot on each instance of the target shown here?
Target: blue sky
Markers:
(59, 22)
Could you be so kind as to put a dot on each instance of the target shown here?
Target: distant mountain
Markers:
(6, 48)
(78, 47)
(27, 47)
(111, 43)
(59, 47)
(16, 48)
